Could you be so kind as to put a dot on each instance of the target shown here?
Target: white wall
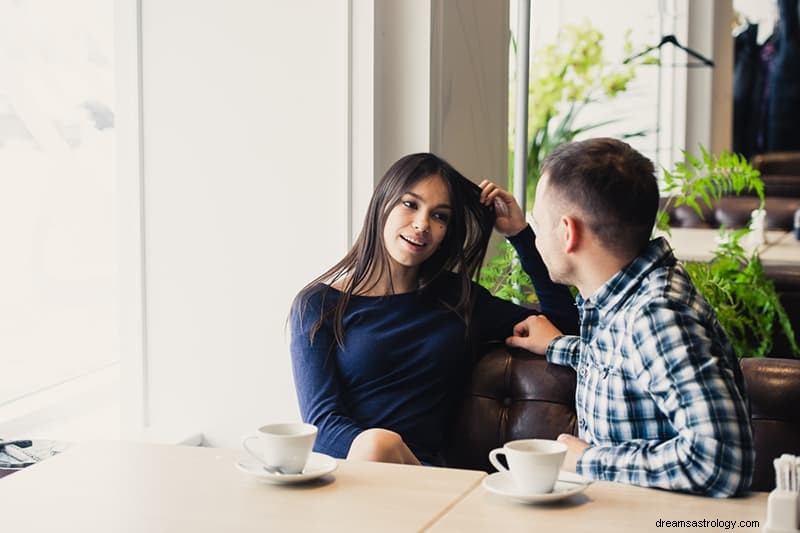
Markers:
(402, 79)
(244, 127)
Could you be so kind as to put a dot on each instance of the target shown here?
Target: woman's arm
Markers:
(319, 395)
(555, 300)
(316, 382)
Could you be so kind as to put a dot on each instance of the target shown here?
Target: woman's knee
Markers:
(377, 445)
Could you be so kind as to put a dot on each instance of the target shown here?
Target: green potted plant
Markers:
(566, 77)
(733, 282)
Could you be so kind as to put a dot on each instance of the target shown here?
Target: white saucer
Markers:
(318, 465)
(568, 484)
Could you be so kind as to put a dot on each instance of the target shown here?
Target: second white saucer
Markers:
(503, 484)
(318, 465)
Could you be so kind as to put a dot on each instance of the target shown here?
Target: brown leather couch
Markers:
(787, 284)
(514, 394)
(780, 172)
(734, 212)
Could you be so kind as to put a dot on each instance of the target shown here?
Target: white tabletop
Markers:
(785, 251)
(698, 244)
(143, 488)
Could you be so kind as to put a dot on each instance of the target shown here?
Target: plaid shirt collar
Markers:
(614, 292)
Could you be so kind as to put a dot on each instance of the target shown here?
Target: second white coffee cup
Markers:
(534, 463)
(284, 448)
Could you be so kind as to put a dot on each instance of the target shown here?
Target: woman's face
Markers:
(417, 225)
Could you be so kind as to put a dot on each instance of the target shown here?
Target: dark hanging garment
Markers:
(783, 130)
(748, 91)
(767, 57)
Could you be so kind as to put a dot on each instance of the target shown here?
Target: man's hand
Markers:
(534, 334)
(575, 448)
(510, 218)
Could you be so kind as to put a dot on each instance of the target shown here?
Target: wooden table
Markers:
(134, 487)
(145, 488)
(603, 507)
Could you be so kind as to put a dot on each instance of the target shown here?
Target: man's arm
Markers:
(689, 378)
(538, 335)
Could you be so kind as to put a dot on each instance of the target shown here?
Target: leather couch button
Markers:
(507, 402)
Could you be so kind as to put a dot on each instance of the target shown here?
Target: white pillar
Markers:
(521, 119)
(441, 83)
(709, 92)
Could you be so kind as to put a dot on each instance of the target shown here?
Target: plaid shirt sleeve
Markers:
(564, 351)
(689, 377)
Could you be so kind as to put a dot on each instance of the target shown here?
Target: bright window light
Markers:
(57, 204)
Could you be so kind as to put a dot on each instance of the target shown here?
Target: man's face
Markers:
(549, 229)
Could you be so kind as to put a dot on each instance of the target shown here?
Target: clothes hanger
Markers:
(670, 39)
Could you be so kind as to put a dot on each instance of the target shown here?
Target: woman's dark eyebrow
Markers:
(418, 197)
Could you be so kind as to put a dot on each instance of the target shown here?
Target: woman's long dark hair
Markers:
(462, 250)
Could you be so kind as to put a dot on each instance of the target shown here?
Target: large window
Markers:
(652, 106)
(57, 252)
(665, 102)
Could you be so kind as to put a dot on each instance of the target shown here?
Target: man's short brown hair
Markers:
(612, 185)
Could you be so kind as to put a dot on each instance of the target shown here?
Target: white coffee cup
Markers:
(533, 463)
(284, 448)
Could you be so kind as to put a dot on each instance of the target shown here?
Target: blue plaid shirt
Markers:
(660, 396)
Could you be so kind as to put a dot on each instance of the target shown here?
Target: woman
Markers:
(383, 341)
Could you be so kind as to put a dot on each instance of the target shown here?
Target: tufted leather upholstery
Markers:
(774, 389)
(734, 212)
(786, 163)
(515, 394)
(787, 284)
(780, 172)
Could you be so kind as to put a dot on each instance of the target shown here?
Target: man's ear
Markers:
(571, 233)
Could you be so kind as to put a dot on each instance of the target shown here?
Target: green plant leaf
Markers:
(744, 299)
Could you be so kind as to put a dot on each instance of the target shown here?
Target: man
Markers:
(660, 397)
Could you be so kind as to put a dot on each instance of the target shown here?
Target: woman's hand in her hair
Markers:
(510, 218)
